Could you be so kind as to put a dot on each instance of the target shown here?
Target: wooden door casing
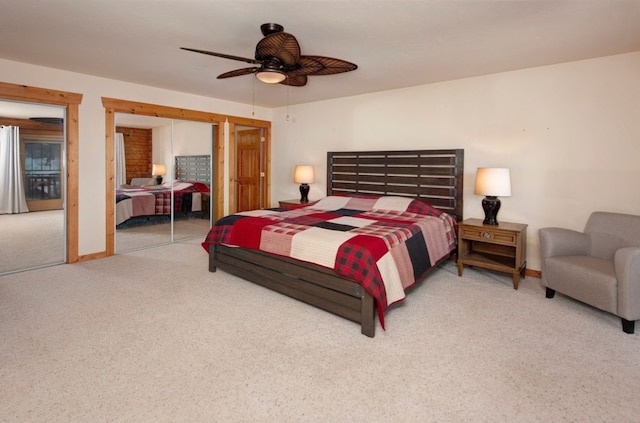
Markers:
(248, 169)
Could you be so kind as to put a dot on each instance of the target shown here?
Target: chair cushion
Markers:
(588, 279)
(611, 231)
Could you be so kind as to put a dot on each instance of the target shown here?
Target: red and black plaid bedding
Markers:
(384, 243)
(156, 200)
(162, 194)
(182, 200)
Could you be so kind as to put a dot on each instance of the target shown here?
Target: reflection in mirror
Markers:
(192, 167)
(32, 186)
(162, 206)
(137, 223)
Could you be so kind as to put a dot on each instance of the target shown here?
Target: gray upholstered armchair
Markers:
(600, 266)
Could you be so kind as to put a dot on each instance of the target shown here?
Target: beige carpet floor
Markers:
(33, 239)
(152, 336)
(139, 237)
(36, 239)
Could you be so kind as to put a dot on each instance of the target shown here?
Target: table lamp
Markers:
(303, 175)
(159, 170)
(492, 182)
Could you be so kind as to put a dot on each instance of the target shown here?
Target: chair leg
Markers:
(628, 326)
(550, 292)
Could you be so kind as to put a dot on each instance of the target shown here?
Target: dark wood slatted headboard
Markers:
(194, 168)
(433, 175)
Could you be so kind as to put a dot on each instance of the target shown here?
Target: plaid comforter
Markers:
(384, 243)
(156, 200)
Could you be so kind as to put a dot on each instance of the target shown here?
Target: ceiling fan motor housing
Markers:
(270, 28)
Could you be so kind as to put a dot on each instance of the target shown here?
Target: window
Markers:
(42, 170)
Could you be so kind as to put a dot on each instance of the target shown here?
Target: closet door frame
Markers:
(71, 102)
(113, 106)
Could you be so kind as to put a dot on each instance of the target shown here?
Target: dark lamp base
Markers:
(158, 180)
(490, 205)
(304, 193)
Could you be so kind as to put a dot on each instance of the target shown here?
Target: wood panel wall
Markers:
(30, 127)
(137, 151)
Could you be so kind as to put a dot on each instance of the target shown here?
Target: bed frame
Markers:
(435, 176)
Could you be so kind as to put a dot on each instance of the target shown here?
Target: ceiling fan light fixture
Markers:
(271, 76)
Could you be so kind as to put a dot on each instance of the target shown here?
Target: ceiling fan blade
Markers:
(295, 80)
(305, 66)
(237, 72)
(224, 56)
(320, 65)
(280, 45)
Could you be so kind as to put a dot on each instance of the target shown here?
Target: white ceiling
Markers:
(394, 43)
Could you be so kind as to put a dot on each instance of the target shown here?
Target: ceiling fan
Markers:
(279, 60)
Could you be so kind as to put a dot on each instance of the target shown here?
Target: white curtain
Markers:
(12, 196)
(121, 165)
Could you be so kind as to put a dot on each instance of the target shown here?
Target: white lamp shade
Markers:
(159, 170)
(303, 174)
(493, 181)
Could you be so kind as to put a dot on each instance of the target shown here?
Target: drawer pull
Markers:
(486, 235)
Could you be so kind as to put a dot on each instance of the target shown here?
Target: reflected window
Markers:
(43, 170)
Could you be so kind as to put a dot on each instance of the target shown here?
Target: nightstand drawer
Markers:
(492, 235)
(502, 247)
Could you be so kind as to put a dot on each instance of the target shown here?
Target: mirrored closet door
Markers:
(163, 181)
(32, 186)
(192, 173)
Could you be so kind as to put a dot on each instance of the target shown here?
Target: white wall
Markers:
(161, 147)
(92, 185)
(180, 138)
(570, 134)
(192, 138)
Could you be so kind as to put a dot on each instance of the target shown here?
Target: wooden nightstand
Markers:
(205, 198)
(293, 202)
(501, 247)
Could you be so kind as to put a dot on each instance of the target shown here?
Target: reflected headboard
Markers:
(435, 176)
(193, 168)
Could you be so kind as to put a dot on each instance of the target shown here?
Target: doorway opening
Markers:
(47, 183)
(250, 167)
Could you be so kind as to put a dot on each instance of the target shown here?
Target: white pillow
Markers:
(141, 182)
(331, 203)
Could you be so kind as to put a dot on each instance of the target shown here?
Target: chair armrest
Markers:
(563, 242)
(627, 267)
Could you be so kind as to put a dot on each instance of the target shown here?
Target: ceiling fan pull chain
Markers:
(288, 118)
(253, 97)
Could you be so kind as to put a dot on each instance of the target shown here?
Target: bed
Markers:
(427, 183)
(149, 203)
(138, 205)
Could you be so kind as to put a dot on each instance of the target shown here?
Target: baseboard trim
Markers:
(93, 256)
(533, 273)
